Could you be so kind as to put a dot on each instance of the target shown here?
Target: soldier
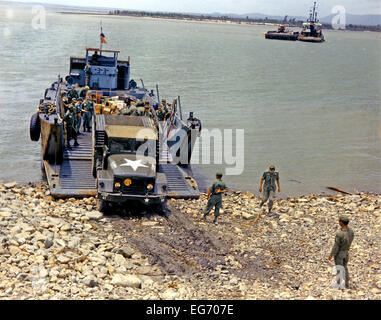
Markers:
(340, 250)
(140, 110)
(164, 105)
(65, 103)
(215, 197)
(160, 114)
(84, 92)
(147, 110)
(88, 113)
(87, 74)
(72, 94)
(269, 188)
(70, 120)
(78, 114)
(193, 123)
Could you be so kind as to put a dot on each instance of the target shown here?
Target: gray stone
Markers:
(247, 216)
(11, 185)
(90, 281)
(125, 251)
(74, 243)
(126, 281)
(169, 294)
(94, 215)
(49, 241)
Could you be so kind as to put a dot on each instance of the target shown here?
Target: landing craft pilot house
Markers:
(107, 73)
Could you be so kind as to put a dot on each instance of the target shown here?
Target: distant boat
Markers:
(282, 34)
(312, 29)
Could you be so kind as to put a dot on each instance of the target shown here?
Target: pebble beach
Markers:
(66, 250)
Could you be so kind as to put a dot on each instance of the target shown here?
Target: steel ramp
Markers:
(180, 183)
(75, 177)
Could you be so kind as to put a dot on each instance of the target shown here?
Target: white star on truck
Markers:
(133, 164)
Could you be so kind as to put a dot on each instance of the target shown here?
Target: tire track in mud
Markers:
(182, 245)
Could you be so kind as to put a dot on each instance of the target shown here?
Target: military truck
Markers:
(125, 161)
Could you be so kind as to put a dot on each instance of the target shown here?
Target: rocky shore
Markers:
(65, 249)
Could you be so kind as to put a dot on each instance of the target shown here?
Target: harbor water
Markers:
(312, 110)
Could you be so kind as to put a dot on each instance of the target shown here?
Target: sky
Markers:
(270, 7)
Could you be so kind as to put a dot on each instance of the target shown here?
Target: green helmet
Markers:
(344, 218)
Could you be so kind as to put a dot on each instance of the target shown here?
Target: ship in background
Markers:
(282, 34)
(312, 29)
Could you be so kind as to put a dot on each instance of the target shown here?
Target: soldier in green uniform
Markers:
(160, 114)
(88, 113)
(87, 74)
(78, 114)
(84, 92)
(215, 197)
(140, 110)
(269, 178)
(147, 110)
(164, 106)
(340, 250)
(72, 94)
(70, 121)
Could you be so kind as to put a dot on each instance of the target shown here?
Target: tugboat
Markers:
(312, 29)
(282, 34)
(73, 171)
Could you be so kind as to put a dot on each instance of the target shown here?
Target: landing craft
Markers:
(107, 163)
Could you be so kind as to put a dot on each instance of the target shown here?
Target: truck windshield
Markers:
(118, 146)
(131, 146)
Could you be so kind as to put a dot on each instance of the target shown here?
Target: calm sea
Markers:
(312, 110)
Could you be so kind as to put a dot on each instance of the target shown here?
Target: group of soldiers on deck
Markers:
(78, 104)
(141, 108)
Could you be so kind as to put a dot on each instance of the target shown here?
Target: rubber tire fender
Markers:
(35, 127)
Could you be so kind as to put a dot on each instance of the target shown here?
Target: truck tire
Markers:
(103, 206)
(35, 127)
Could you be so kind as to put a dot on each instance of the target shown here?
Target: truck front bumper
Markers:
(120, 198)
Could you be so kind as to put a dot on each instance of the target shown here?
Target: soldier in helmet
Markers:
(215, 197)
(87, 74)
(88, 113)
(70, 121)
(140, 109)
(269, 178)
(340, 250)
(78, 113)
(65, 103)
(84, 92)
(147, 110)
(164, 105)
(72, 94)
(160, 113)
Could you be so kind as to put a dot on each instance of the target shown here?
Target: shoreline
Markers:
(66, 249)
(205, 185)
(195, 20)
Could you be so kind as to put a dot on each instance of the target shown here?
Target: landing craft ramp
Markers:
(74, 177)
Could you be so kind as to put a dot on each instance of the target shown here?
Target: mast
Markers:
(100, 37)
(313, 14)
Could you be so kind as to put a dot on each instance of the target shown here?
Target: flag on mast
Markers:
(103, 38)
